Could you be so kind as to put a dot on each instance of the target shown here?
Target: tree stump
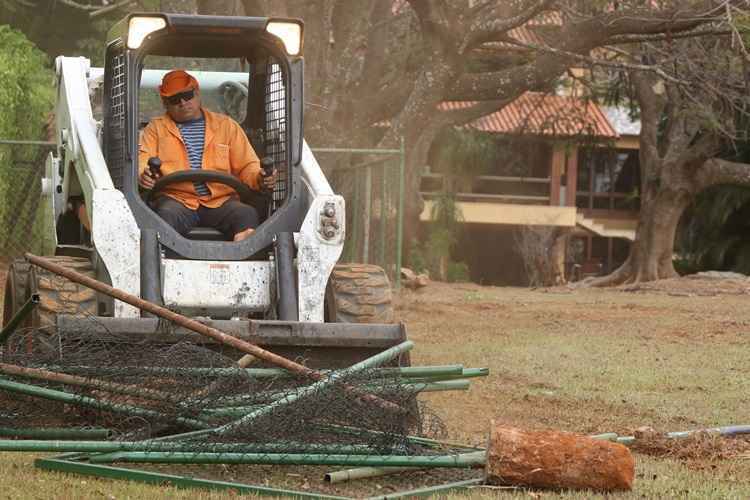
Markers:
(552, 459)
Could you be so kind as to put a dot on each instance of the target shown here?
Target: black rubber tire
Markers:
(358, 293)
(361, 293)
(16, 282)
(58, 295)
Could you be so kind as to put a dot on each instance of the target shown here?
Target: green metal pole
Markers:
(269, 449)
(431, 443)
(403, 375)
(367, 219)
(395, 371)
(74, 380)
(54, 433)
(383, 218)
(609, 436)
(74, 399)
(355, 219)
(401, 194)
(38, 446)
(430, 491)
(17, 318)
(421, 371)
(333, 378)
(448, 385)
(465, 460)
(467, 373)
(50, 445)
(405, 385)
(69, 466)
(363, 473)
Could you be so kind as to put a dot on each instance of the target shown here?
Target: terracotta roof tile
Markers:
(542, 114)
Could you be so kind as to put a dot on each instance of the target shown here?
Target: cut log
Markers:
(412, 280)
(561, 460)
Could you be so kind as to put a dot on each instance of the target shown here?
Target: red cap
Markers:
(177, 81)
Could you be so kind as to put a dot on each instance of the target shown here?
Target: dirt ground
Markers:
(643, 360)
(581, 332)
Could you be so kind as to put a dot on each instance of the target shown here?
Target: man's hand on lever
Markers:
(149, 176)
(267, 174)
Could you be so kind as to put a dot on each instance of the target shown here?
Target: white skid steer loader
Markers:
(281, 288)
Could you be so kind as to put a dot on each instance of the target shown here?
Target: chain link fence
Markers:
(372, 183)
(21, 169)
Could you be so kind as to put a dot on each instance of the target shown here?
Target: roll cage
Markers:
(273, 118)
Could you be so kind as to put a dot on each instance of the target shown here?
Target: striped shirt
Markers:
(194, 133)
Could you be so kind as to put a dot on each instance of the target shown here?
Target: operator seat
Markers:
(206, 234)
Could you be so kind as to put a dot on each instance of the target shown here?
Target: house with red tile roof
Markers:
(579, 171)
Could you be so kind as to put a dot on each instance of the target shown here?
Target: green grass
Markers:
(595, 361)
(21, 480)
(662, 479)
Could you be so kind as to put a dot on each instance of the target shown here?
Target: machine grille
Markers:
(275, 139)
(115, 122)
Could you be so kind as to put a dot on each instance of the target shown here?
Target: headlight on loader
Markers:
(140, 27)
(290, 34)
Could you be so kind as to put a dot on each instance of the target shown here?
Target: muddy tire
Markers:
(358, 293)
(361, 293)
(58, 295)
(16, 283)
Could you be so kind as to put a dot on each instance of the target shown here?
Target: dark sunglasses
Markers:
(174, 100)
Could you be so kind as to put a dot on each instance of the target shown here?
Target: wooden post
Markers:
(552, 459)
(571, 174)
(556, 170)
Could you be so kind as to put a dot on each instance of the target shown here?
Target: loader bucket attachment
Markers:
(316, 345)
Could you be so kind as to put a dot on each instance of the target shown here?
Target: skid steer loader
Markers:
(281, 288)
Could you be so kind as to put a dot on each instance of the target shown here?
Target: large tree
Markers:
(692, 111)
(372, 62)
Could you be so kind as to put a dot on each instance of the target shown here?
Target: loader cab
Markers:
(248, 68)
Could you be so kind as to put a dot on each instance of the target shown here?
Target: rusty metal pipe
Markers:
(64, 378)
(17, 318)
(197, 327)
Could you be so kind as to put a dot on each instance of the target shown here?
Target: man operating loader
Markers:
(189, 136)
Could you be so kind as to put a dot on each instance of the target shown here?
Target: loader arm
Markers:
(78, 169)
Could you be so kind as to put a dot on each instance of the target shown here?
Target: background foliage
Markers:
(26, 92)
(26, 95)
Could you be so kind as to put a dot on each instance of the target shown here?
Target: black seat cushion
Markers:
(205, 233)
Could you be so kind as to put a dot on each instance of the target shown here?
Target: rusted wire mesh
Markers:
(144, 389)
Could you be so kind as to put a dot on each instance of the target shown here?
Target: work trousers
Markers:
(230, 218)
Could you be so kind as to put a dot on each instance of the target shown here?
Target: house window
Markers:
(608, 179)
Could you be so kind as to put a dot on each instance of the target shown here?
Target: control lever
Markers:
(154, 165)
(266, 165)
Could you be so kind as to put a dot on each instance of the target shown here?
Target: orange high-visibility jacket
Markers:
(226, 149)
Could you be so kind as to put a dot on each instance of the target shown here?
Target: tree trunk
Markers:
(557, 254)
(650, 256)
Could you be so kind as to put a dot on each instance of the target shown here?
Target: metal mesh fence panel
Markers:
(138, 389)
(371, 184)
(21, 169)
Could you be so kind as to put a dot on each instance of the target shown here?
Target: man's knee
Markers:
(175, 214)
(242, 216)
